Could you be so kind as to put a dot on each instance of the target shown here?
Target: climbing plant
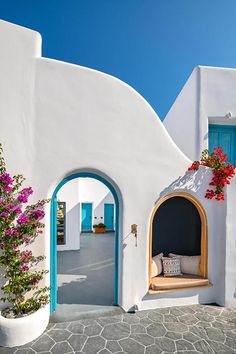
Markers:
(223, 171)
(20, 224)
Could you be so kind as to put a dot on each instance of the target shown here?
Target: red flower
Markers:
(195, 165)
(223, 171)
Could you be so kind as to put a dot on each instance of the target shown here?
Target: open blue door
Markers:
(109, 216)
(223, 136)
(86, 224)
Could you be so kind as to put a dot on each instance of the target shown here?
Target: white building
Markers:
(47, 111)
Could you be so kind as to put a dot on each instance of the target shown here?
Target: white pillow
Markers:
(189, 264)
(171, 266)
(156, 267)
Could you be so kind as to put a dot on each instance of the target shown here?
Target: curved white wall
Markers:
(85, 120)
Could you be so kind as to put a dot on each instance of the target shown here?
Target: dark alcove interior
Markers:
(176, 228)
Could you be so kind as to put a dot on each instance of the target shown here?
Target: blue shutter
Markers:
(223, 136)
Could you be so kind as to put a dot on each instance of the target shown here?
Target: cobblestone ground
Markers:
(188, 329)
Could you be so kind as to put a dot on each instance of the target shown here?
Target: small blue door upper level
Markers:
(109, 216)
(224, 136)
(86, 224)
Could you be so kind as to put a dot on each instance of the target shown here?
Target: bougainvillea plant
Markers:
(20, 224)
(223, 171)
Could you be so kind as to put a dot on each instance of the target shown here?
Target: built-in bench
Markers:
(161, 283)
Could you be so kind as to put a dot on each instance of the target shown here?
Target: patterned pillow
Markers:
(156, 268)
(171, 266)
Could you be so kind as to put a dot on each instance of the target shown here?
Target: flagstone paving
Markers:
(186, 329)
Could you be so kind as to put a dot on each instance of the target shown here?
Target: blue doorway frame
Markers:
(53, 235)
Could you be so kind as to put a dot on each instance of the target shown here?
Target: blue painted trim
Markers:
(222, 126)
(218, 128)
(53, 240)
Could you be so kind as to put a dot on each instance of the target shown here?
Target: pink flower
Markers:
(6, 178)
(17, 210)
(24, 195)
(11, 232)
(26, 239)
(4, 214)
(23, 219)
(26, 256)
(10, 207)
(24, 268)
(37, 214)
(7, 188)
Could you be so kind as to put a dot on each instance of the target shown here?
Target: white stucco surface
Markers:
(207, 98)
(104, 126)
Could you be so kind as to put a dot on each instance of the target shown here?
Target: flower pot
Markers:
(19, 331)
(99, 230)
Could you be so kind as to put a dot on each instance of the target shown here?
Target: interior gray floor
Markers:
(86, 279)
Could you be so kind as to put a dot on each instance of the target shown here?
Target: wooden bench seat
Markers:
(181, 282)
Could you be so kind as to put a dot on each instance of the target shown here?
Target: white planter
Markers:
(19, 331)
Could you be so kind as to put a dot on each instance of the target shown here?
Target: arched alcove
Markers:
(179, 225)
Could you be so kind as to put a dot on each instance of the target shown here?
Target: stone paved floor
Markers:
(188, 329)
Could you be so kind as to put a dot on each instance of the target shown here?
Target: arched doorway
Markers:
(53, 233)
(179, 225)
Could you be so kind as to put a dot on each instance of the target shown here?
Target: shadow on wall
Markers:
(99, 210)
(192, 181)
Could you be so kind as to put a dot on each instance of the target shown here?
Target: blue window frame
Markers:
(224, 136)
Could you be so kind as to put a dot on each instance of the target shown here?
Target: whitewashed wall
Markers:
(207, 97)
(76, 105)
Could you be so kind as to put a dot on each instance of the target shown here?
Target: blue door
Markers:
(224, 136)
(109, 216)
(86, 224)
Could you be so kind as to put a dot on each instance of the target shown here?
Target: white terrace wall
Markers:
(76, 105)
(208, 95)
(206, 98)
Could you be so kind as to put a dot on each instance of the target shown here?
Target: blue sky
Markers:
(151, 44)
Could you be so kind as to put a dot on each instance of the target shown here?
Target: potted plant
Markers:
(99, 228)
(25, 314)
